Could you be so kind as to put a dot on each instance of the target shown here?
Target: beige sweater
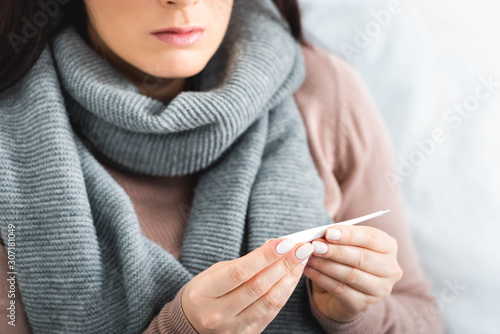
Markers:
(352, 152)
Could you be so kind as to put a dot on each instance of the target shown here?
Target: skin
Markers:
(357, 271)
(120, 31)
(242, 295)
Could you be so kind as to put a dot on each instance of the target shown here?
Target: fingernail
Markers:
(320, 247)
(284, 246)
(304, 251)
(333, 234)
(268, 241)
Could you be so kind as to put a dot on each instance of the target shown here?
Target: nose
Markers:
(180, 3)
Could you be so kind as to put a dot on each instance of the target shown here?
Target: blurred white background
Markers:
(426, 64)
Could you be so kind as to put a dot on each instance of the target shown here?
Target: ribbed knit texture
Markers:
(82, 264)
(162, 205)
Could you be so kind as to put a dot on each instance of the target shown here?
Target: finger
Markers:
(247, 293)
(358, 279)
(236, 272)
(265, 309)
(361, 258)
(346, 294)
(362, 236)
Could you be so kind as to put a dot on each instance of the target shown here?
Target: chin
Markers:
(177, 67)
(181, 73)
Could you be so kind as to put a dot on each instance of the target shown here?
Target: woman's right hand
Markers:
(244, 295)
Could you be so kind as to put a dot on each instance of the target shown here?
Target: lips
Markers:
(180, 36)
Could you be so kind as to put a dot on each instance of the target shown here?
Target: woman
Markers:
(150, 148)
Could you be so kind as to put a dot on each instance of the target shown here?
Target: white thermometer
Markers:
(319, 232)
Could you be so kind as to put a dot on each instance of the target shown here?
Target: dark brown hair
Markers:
(27, 25)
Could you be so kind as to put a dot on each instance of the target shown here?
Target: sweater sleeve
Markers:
(12, 309)
(363, 165)
(171, 319)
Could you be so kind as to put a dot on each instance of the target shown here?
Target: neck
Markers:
(165, 89)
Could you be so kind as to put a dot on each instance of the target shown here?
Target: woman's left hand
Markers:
(358, 268)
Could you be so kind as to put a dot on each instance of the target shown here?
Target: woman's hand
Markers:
(357, 269)
(244, 295)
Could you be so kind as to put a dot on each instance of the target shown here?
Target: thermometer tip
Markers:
(385, 211)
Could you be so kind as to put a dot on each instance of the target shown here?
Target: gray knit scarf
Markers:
(82, 263)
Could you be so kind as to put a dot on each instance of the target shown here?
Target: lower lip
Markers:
(184, 39)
